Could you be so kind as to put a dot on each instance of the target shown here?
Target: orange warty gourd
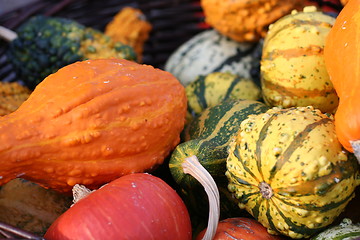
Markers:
(341, 52)
(92, 122)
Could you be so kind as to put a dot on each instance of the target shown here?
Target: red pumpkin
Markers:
(135, 206)
(240, 228)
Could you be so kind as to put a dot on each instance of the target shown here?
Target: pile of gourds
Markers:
(269, 113)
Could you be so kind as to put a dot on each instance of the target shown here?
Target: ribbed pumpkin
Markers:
(289, 171)
(92, 122)
(210, 90)
(342, 61)
(293, 71)
(207, 137)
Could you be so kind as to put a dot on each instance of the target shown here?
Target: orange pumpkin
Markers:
(246, 21)
(92, 122)
(341, 52)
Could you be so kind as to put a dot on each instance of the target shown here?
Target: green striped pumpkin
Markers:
(208, 52)
(208, 137)
(209, 90)
(346, 230)
(288, 170)
(293, 71)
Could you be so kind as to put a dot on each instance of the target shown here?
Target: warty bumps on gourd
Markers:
(91, 122)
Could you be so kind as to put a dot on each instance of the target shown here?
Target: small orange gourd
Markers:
(92, 122)
(341, 52)
(246, 21)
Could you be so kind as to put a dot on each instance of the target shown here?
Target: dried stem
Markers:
(192, 166)
(356, 146)
(7, 34)
(80, 192)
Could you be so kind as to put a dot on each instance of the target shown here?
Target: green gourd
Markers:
(208, 136)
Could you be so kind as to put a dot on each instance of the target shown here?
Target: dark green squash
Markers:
(208, 137)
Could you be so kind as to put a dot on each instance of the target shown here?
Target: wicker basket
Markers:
(173, 22)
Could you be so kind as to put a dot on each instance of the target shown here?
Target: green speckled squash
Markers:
(293, 71)
(346, 230)
(208, 137)
(209, 90)
(289, 171)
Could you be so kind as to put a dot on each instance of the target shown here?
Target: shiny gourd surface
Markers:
(342, 61)
(92, 122)
(135, 206)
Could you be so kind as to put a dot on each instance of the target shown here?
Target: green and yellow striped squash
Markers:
(209, 90)
(293, 71)
(208, 138)
(289, 171)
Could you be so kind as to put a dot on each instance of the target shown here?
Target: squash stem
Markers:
(80, 192)
(356, 146)
(7, 34)
(192, 166)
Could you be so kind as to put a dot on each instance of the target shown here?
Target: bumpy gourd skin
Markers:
(290, 172)
(243, 20)
(45, 44)
(293, 71)
(107, 118)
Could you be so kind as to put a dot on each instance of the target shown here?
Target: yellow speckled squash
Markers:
(293, 71)
(288, 170)
(92, 122)
(212, 89)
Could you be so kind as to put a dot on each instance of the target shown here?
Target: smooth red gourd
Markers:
(240, 228)
(341, 52)
(135, 206)
(92, 122)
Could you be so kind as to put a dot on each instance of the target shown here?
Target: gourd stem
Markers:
(356, 146)
(7, 34)
(192, 166)
(80, 192)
